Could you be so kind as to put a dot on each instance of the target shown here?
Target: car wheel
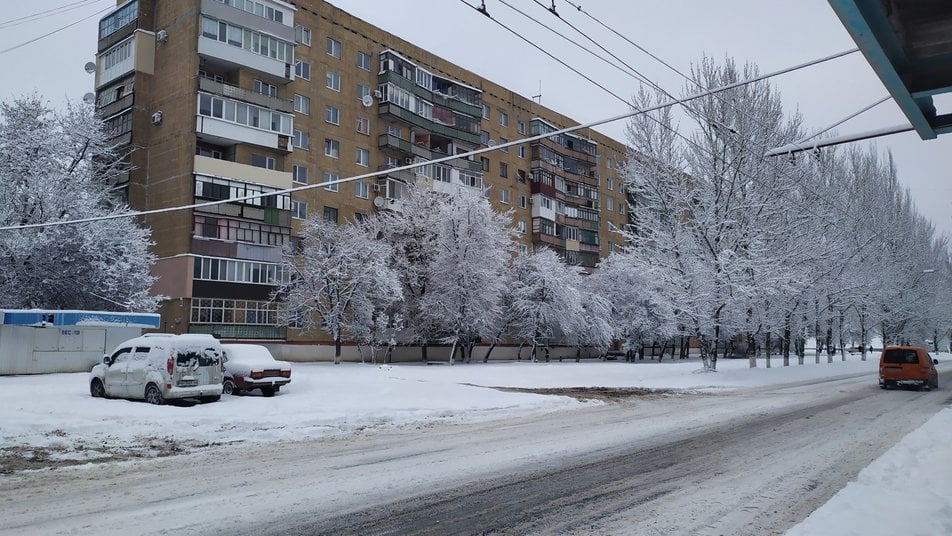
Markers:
(207, 399)
(268, 391)
(153, 395)
(96, 389)
(228, 387)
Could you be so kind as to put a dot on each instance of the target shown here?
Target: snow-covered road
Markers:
(754, 459)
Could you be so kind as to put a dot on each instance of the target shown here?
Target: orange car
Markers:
(907, 365)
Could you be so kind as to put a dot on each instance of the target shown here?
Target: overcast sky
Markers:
(773, 34)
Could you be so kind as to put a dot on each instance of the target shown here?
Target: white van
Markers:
(160, 366)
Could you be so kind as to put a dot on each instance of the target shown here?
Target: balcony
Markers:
(391, 109)
(239, 331)
(237, 93)
(225, 169)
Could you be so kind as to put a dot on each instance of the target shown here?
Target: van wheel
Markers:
(228, 387)
(153, 395)
(96, 389)
(268, 391)
(207, 399)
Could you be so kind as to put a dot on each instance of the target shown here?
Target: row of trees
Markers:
(775, 250)
(726, 246)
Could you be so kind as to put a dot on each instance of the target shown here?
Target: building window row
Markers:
(396, 95)
(218, 189)
(246, 39)
(116, 21)
(118, 125)
(238, 271)
(256, 8)
(218, 311)
(231, 230)
(244, 114)
(393, 62)
(117, 55)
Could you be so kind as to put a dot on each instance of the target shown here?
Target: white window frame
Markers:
(363, 157)
(333, 47)
(331, 176)
(332, 114)
(332, 148)
(361, 189)
(332, 81)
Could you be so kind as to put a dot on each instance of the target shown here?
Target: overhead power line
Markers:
(42, 14)
(35, 39)
(626, 115)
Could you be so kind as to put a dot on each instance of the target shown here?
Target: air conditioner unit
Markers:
(157, 118)
(378, 94)
(376, 187)
(407, 161)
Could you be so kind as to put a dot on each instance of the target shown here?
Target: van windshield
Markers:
(900, 356)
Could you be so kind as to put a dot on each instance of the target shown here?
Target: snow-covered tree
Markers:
(465, 280)
(341, 279)
(545, 302)
(56, 166)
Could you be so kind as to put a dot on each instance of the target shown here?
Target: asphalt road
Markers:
(747, 462)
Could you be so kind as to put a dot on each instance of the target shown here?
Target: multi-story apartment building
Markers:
(227, 98)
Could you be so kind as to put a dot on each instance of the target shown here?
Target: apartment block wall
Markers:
(165, 157)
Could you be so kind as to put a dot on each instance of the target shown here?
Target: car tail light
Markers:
(285, 373)
(169, 364)
(257, 375)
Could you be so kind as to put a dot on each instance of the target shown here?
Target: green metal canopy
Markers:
(909, 45)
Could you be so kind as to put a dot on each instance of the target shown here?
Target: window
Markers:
(503, 119)
(363, 157)
(503, 170)
(392, 162)
(362, 91)
(485, 162)
(332, 115)
(302, 140)
(302, 35)
(484, 137)
(332, 81)
(331, 177)
(502, 141)
(522, 226)
(361, 189)
(244, 114)
(265, 88)
(363, 60)
(609, 163)
(521, 126)
(608, 184)
(250, 40)
(262, 161)
(485, 111)
(331, 148)
(333, 47)
(117, 20)
(299, 173)
(302, 104)
(302, 69)
(504, 195)
(363, 125)
(522, 201)
(608, 204)
(210, 153)
(299, 210)
(521, 151)
(521, 175)
(621, 207)
(330, 214)
(394, 130)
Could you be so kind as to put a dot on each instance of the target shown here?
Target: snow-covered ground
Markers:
(52, 417)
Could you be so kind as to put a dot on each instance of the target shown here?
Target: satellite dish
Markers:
(90, 67)
(89, 98)
(367, 101)
(379, 202)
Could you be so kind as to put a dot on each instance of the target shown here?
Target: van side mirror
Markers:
(935, 361)
(105, 360)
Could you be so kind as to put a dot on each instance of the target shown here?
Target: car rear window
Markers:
(900, 356)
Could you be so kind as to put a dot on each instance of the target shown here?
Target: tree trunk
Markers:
(786, 341)
(842, 342)
(453, 351)
(751, 355)
(489, 351)
(767, 344)
(337, 345)
(830, 349)
(423, 349)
